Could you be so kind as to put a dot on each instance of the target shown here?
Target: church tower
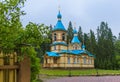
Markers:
(59, 35)
(76, 44)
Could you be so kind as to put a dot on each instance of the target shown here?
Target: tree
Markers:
(13, 36)
(105, 47)
(10, 24)
(69, 32)
(117, 53)
(87, 41)
(80, 34)
(92, 42)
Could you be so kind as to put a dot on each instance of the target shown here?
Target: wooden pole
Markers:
(11, 71)
(1, 64)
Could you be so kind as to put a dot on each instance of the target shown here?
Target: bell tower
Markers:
(59, 37)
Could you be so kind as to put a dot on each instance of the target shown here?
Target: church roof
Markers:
(75, 31)
(77, 52)
(83, 46)
(74, 52)
(75, 40)
(59, 25)
(59, 16)
(52, 54)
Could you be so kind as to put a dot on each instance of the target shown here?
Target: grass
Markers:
(87, 72)
(39, 80)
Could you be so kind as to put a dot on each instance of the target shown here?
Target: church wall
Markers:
(59, 35)
(58, 48)
(63, 62)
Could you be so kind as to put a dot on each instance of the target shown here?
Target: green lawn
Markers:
(81, 72)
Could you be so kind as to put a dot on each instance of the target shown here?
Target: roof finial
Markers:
(74, 25)
(74, 30)
(59, 8)
(59, 16)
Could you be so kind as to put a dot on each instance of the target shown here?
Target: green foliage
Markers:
(9, 23)
(102, 45)
(80, 34)
(69, 32)
(105, 57)
(35, 62)
(33, 37)
(117, 53)
(24, 41)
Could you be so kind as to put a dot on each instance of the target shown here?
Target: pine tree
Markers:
(87, 41)
(69, 32)
(92, 42)
(105, 48)
(80, 34)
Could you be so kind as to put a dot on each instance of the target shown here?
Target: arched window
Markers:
(55, 60)
(68, 60)
(84, 60)
(55, 38)
(54, 47)
(78, 60)
(90, 61)
(74, 60)
(75, 47)
(63, 37)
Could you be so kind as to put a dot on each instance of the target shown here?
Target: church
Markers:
(63, 55)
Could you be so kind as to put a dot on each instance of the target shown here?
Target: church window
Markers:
(68, 60)
(54, 47)
(74, 60)
(75, 47)
(84, 60)
(55, 36)
(46, 61)
(63, 37)
(55, 60)
(78, 60)
(90, 61)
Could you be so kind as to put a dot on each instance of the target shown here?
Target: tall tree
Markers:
(117, 53)
(87, 41)
(13, 36)
(105, 48)
(80, 34)
(10, 25)
(69, 32)
(92, 42)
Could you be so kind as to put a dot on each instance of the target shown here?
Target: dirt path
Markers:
(85, 79)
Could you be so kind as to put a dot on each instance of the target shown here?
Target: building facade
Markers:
(63, 55)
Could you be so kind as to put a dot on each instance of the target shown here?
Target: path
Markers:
(86, 79)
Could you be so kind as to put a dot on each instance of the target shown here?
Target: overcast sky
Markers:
(85, 13)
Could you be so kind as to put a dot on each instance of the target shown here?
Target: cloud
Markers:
(86, 13)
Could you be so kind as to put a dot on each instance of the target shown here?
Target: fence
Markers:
(11, 70)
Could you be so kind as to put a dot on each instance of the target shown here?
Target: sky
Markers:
(85, 13)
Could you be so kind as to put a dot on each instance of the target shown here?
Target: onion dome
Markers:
(59, 16)
(59, 25)
(83, 47)
(75, 38)
(75, 31)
